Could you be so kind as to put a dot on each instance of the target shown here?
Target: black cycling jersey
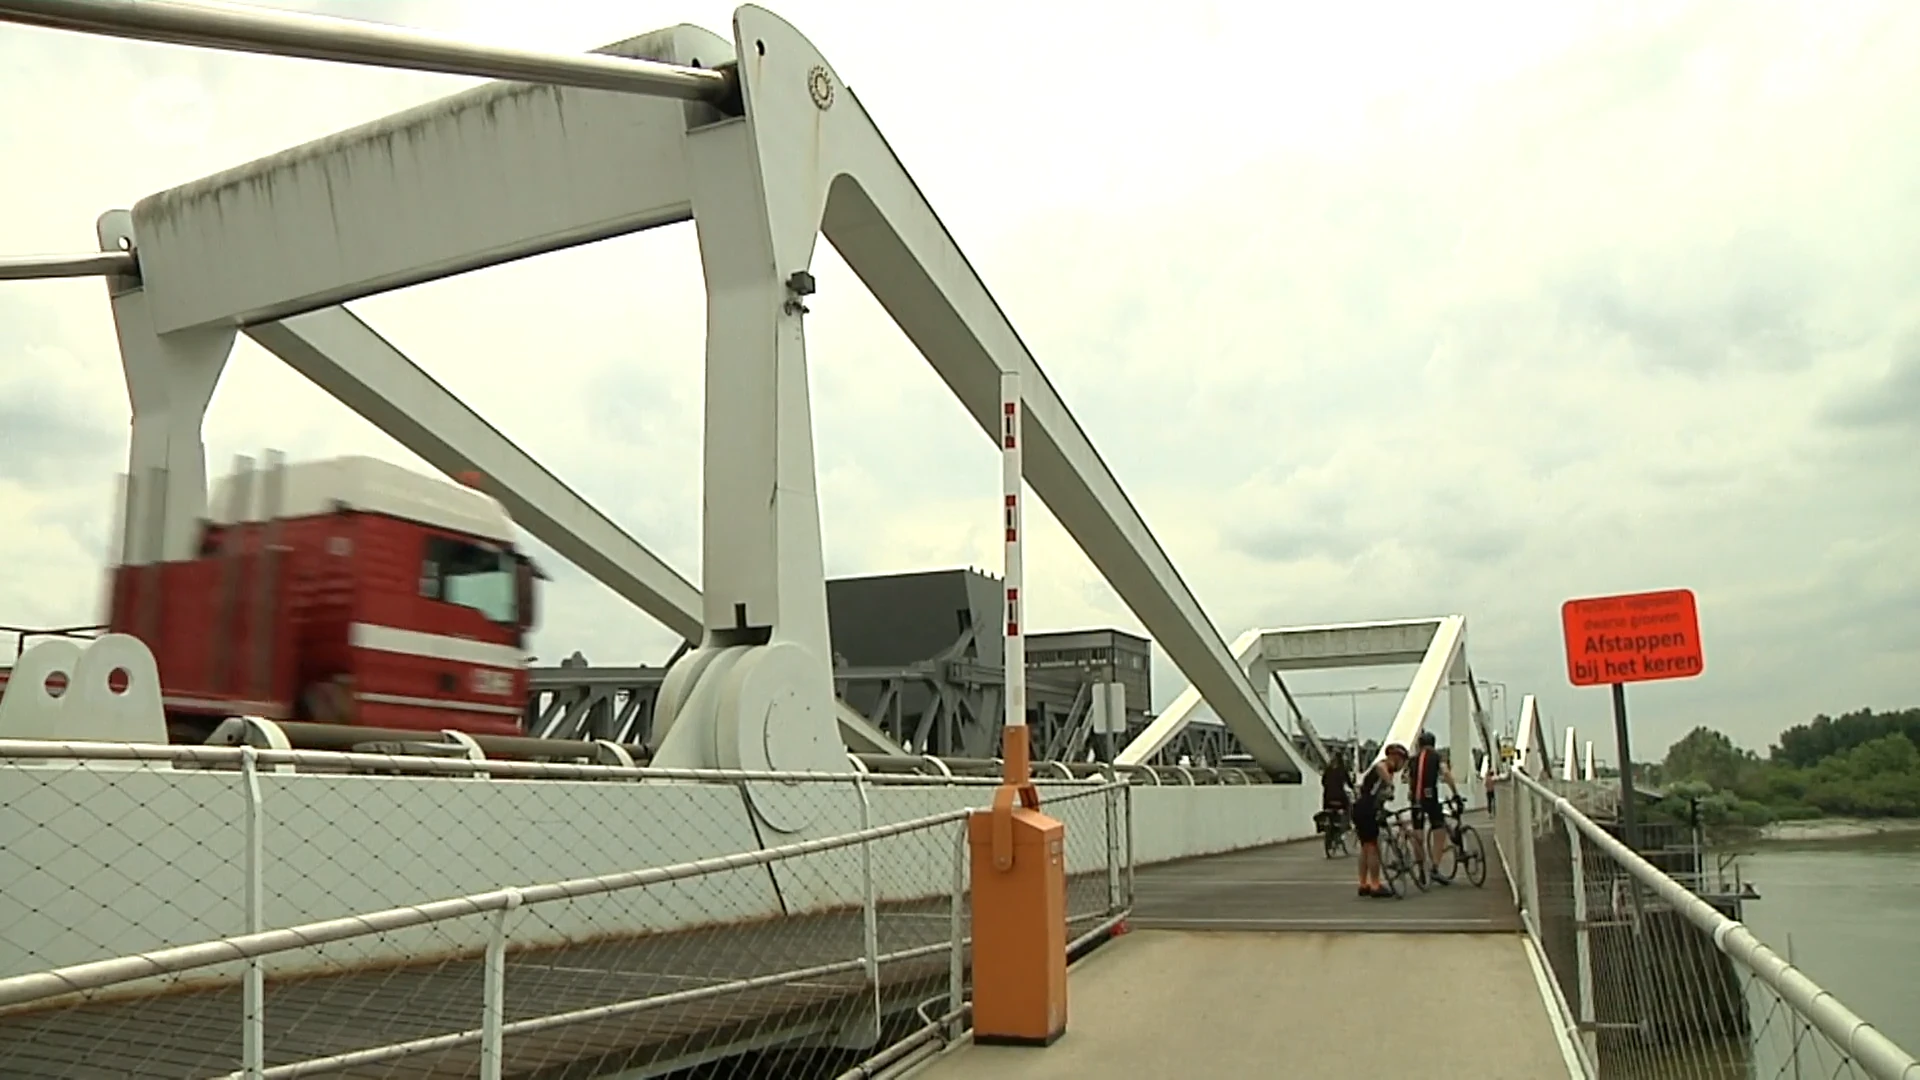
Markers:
(1371, 784)
(1333, 786)
(1425, 782)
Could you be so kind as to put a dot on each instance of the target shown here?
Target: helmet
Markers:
(1427, 739)
(1397, 747)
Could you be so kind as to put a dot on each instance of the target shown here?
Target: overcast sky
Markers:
(1376, 312)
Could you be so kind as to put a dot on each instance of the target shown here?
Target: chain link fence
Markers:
(1655, 981)
(211, 911)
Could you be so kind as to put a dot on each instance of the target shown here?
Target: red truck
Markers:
(366, 594)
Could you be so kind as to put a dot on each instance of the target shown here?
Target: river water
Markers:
(1852, 910)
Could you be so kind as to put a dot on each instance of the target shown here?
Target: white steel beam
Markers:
(882, 226)
(1442, 657)
(243, 28)
(1340, 645)
(1176, 716)
(348, 359)
(1438, 645)
(506, 171)
(170, 382)
(500, 172)
(1531, 751)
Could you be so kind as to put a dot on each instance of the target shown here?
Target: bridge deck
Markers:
(1296, 887)
(1266, 959)
(1166, 1003)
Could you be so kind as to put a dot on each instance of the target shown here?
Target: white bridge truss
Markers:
(756, 140)
(1438, 646)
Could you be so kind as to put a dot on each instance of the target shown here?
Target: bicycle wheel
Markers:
(1448, 864)
(1393, 865)
(1416, 865)
(1472, 855)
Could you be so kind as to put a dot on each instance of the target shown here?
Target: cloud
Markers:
(1505, 306)
(1889, 403)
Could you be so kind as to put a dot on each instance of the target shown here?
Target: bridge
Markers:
(746, 875)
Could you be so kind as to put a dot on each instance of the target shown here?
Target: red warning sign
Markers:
(1641, 637)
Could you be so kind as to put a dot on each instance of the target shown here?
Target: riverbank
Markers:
(1837, 828)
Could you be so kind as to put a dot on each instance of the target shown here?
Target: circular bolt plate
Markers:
(820, 86)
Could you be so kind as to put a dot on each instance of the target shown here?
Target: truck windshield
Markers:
(471, 576)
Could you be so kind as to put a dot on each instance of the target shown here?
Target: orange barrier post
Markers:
(1019, 857)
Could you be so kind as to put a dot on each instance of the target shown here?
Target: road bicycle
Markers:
(1334, 825)
(1397, 864)
(1464, 849)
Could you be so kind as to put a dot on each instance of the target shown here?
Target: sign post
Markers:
(1638, 637)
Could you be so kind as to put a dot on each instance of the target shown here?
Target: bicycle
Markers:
(1396, 859)
(1464, 848)
(1334, 825)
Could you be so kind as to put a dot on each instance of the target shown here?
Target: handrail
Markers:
(56, 750)
(1878, 1055)
(245, 28)
(97, 974)
(91, 264)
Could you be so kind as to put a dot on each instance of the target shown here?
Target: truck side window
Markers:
(481, 578)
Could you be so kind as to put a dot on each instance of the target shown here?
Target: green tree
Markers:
(1805, 745)
(1709, 757)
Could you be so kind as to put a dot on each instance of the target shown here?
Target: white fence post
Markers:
(253, 1031)
(1112, 799)
(1582, 943)
(494, 993)
(869, 902)
(956, 961)
(1523, 851)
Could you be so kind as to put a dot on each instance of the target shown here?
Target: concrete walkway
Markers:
(1173, 1003)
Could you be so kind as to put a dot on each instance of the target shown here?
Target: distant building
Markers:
(1098, 656)
(921, 654)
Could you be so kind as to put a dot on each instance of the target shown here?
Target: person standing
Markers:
(1370, 796)
(1429, 820)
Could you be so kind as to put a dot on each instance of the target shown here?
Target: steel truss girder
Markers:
(1437, 645)
(347, 217)
(959, 721)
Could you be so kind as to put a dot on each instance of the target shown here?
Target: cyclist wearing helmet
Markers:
(1424, 791)
(1370, 796)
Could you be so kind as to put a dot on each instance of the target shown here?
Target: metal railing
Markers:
(1655, 982)
(186, 911)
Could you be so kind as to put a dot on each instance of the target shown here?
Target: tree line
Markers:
(1859, 764)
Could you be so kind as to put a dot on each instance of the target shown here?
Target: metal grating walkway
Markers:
(1296, 887)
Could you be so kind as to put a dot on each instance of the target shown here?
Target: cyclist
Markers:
(1371, 795)
(1336, 788)
(1423, 785)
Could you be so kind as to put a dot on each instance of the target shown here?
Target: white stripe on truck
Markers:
(392, 639)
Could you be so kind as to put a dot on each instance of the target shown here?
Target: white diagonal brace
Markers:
(885, 230)
(351, 361)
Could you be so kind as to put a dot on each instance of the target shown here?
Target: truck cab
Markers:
(342, 591)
